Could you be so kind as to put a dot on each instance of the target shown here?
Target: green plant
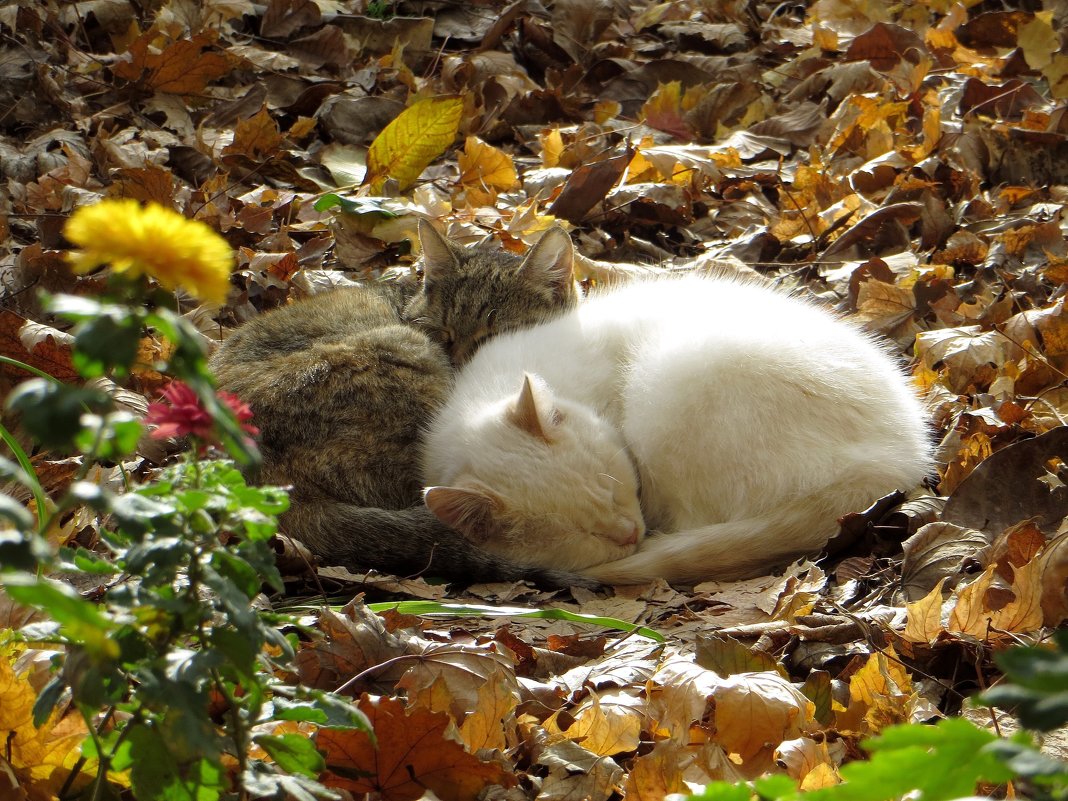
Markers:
(173, 668)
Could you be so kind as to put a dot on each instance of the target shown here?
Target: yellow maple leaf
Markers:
(483, 166)
(1038, 40)
(417, 136)
(40, 760)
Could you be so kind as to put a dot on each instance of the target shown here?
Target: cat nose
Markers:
(626, 533)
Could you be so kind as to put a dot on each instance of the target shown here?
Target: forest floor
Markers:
(907, 165)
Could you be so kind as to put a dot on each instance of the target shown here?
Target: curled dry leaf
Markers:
(747, 714)
(937, 552)
(605, 723)
(475, 686)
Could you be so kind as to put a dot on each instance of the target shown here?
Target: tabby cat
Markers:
(341, 386)
(736, 421)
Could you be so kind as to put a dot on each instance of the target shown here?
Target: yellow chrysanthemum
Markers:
(152, 240)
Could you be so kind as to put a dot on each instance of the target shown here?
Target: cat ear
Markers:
(438, 257)
(551, 262)
(533, 410)
(472, 512)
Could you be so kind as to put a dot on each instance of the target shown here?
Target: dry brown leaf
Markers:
(37, 345)
(256, 137)
(605, 723)
(180, 68)
(477, 688)
(410, 755)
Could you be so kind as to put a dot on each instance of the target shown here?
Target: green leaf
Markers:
(81, 620)
(1036, 684)
(23, 473)
(110, 437)
(294, 753)
(384, 207)
(88, 562)
(52, 412)
(322, 707)
(22, 550)
(238, 571)
(47, 700)
(107, 343)
(775, 786)
(723, 791)
(1026, 760)
(155, 772)
(263, 781)
(942, 762)
(14, 512)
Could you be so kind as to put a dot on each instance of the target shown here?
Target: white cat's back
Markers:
(782, 394)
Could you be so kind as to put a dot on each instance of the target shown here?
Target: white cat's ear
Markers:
(438, 257)
(533, 410)
(472, 512)
(551, 262)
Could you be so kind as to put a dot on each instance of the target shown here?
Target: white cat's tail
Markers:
(735, 549)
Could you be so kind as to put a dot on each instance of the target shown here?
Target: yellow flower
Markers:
(152, 240)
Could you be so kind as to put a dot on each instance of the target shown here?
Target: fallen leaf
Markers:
(416, 137)
(409, 755)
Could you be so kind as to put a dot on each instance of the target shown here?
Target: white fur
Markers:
(753, 419)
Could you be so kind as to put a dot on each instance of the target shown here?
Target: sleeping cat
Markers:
(340, 387)
(746, 422)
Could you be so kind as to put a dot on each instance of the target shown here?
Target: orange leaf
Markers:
(412, 756)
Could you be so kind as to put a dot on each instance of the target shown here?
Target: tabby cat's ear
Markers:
(533, 410)
(551, 262)
(472, 512)
(438, 256)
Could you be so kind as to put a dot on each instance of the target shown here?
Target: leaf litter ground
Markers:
(906, 165)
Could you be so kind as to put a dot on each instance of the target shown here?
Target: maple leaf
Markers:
(40, 759)
(180, 68)
(409, 755)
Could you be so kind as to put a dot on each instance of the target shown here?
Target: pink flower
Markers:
(241, 411)
(183, 415)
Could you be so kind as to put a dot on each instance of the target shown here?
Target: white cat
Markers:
(749, 419)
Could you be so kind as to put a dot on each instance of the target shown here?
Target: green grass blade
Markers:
(31, 475)
(29, 368)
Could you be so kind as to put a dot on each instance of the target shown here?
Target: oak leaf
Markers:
(412, 755)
